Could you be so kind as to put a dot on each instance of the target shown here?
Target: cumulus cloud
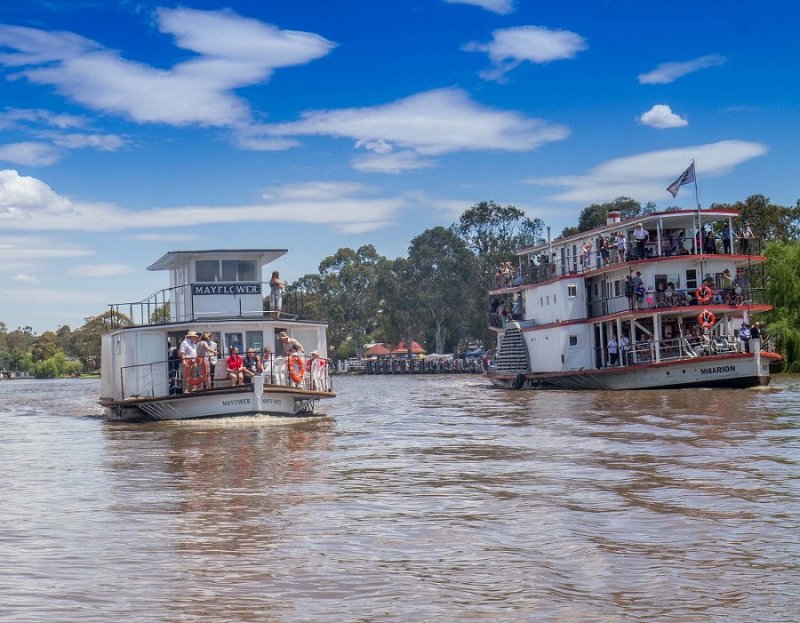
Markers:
(426, 124)
(29, 204)
(661, 116)
(502, 7)
(670, 72)
(646, 176)
(535, 44)
(231, 52)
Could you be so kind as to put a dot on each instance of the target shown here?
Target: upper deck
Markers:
(204, 285)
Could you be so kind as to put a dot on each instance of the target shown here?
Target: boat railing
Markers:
(544, 270)
(171, 377)
(680, 298)
(676, 349)
(161, 308)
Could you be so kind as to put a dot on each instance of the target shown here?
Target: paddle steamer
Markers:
(220, 293)
(567, 318)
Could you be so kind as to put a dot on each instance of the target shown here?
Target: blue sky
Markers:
(129, 129)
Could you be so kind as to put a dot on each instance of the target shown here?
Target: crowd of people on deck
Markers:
(613, 248)
(193, 364)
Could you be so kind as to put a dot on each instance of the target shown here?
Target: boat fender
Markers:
(196, 373)
(704, 294)
(706, 319)
(296, 368)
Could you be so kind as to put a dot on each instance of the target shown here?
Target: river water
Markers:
(429, 498)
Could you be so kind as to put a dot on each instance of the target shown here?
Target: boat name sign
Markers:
(226, 288)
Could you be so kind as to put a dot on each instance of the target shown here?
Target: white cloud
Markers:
(661, 116)
(21, 117)
(231, 52)
(26, 279)
(29, 204)
(535, 44)
(30, 153)
(670, 72)
(430, 124)
(646, 176)
(502, 7)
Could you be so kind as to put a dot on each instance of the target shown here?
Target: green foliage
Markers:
(161, 314)
(769, 221)
(596, 215)
(494, 233)
(56, 366)
(783, 293)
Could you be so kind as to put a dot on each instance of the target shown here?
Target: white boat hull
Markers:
(246, 400)
(733, 370)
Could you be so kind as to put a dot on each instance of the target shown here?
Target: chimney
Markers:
(614, 216)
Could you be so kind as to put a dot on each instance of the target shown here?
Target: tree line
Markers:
(436, 295)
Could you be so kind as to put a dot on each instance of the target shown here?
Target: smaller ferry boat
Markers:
(166, 357)
(663, 300)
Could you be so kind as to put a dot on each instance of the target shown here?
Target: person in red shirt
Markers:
(235, 367)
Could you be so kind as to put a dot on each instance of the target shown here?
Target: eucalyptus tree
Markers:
(494, 233)
(783, 293)
(444, 273)
(348, 293)
(769, 221)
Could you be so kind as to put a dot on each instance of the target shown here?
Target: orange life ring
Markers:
(706, 319)
(296, 368)
(191, 379)
(704, 294)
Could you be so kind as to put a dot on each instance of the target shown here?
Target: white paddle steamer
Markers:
(564, 320)
(220, 293)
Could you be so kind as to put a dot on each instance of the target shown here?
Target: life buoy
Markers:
(704, 294)
(296, 368)
(196, 372)
(706, 319)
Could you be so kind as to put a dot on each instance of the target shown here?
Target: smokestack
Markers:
(614, 216)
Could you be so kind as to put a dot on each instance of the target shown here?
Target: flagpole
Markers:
(696, 192)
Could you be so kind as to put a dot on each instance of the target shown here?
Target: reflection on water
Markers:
(419, 498)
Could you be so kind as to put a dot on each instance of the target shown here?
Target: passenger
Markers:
(276, 288)
(235, 367)
(187, 353)
(745, 235)
(710, 245)
(290, 345)
(613, 247)
(745, 335)
(613, 350)
(207, 349)
(251, 366)
(638, 290)
(726, 283)
(629, 291)
(622, 246)
(650, 301)
(727, 234)
(602, 246)
(640, 236)
(624, 345)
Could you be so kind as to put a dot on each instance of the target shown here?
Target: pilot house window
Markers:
(225, 270)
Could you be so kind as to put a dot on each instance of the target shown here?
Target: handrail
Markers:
(163, 378)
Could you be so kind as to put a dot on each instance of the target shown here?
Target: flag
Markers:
(687, 177)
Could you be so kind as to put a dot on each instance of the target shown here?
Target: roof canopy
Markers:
(377, 350)
(402, 349)
(175, 259)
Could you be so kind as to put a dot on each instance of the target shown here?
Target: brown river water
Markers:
(420, 499)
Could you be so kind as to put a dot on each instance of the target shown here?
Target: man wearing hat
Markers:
(290, 345)
(187, 352)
